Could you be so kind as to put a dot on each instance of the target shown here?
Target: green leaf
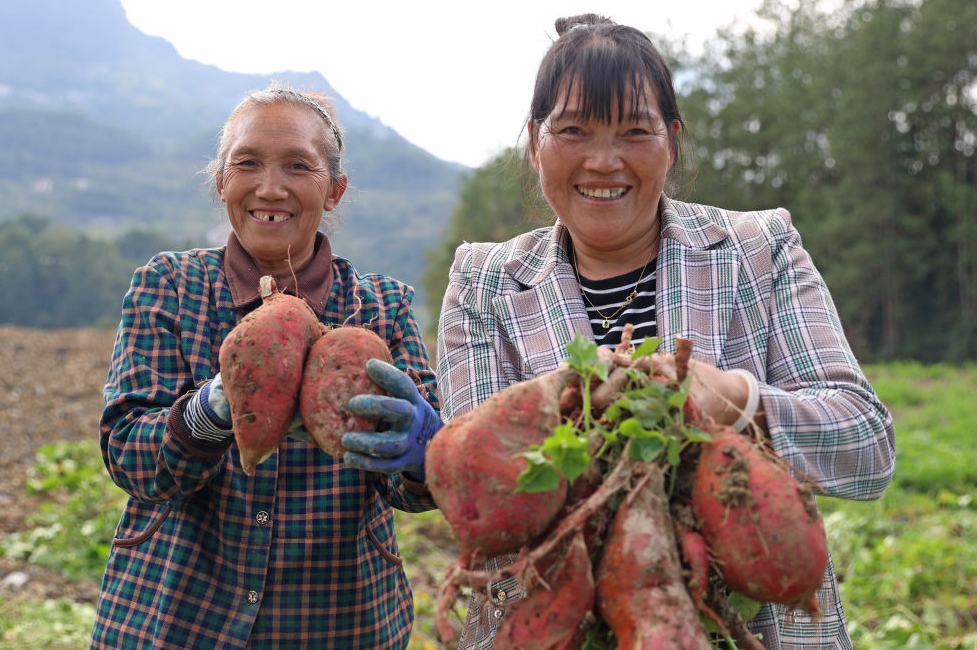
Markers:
(569, 451)
(582, 356)
(677, 400)
(632, 428)
(646, 449)
(695, 434)
(747, 607)
(648, 347)
(538, 478)
(674, 451)
(581, 353)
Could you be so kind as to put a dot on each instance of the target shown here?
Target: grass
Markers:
(907, 563)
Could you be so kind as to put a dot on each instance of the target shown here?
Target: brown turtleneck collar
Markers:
(314, 280)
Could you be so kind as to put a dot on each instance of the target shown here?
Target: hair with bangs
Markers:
(609, 65)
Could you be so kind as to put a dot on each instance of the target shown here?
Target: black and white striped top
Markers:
(604, 298)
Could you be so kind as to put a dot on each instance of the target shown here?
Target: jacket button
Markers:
(252, 597)
(262, 518)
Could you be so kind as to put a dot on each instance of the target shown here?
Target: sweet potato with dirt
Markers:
(641, 590)
(559, 598)
(762, 526)
(335, 371)
(474, 462)
(261, 364)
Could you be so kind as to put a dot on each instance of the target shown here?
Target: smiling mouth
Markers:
(268, 217)
(602, 193)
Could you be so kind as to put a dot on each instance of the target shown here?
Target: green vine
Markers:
(648, 413)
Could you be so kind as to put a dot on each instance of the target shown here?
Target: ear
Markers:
(533, 152)
(219, 184)
(673, 141)
(336, 192)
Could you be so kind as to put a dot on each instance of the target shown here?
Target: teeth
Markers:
(271, 218)
(603, 193)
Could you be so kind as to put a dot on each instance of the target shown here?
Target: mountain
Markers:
(106, 128)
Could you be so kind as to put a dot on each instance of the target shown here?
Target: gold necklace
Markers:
(606, 323)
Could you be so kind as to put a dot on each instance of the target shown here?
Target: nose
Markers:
(271, 184)
(604, 154)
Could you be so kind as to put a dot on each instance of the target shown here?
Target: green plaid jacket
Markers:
(742, 287)
(303, 554)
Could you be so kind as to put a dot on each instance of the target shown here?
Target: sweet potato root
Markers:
(335, 370)
(641, 591)
(474, 462)
(555, 605)
(261, 363)
(761, 524)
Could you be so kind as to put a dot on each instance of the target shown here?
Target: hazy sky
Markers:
(453, 77)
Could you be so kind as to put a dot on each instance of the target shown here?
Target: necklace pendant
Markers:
(606, 324)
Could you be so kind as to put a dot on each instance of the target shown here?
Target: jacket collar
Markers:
(314, 280)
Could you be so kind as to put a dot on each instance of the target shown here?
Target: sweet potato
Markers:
(474, 462)
(560, 598)
(695, 552)
(762, 526)
(261, 363)
(641, 592)
(335, 370)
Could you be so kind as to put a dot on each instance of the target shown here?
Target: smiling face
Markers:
(604, 177)
(276, 183)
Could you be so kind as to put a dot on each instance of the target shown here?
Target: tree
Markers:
(54, 277)
(862, 122)
(861, 119)
(496, 202)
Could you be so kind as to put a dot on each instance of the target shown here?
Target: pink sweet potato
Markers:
(335, 370)
(761, 524)
(551, 612)
(474, 462)
(261, 363)
(641, 591)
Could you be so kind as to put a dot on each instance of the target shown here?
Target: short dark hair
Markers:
(609, 65)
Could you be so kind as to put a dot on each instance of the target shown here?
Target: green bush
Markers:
(72, 531)
(58, 624)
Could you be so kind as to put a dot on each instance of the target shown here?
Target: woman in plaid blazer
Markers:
(604, 131)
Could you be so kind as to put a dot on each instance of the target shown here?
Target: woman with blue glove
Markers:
(302, 554)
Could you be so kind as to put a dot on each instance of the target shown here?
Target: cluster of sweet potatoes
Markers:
(634, 553)
(279, 360)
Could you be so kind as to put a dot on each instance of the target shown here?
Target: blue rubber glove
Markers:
(411, 420)
(208, 414)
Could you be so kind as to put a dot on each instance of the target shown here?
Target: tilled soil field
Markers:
(50, 389)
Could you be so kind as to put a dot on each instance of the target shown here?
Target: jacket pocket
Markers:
(152, 525)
